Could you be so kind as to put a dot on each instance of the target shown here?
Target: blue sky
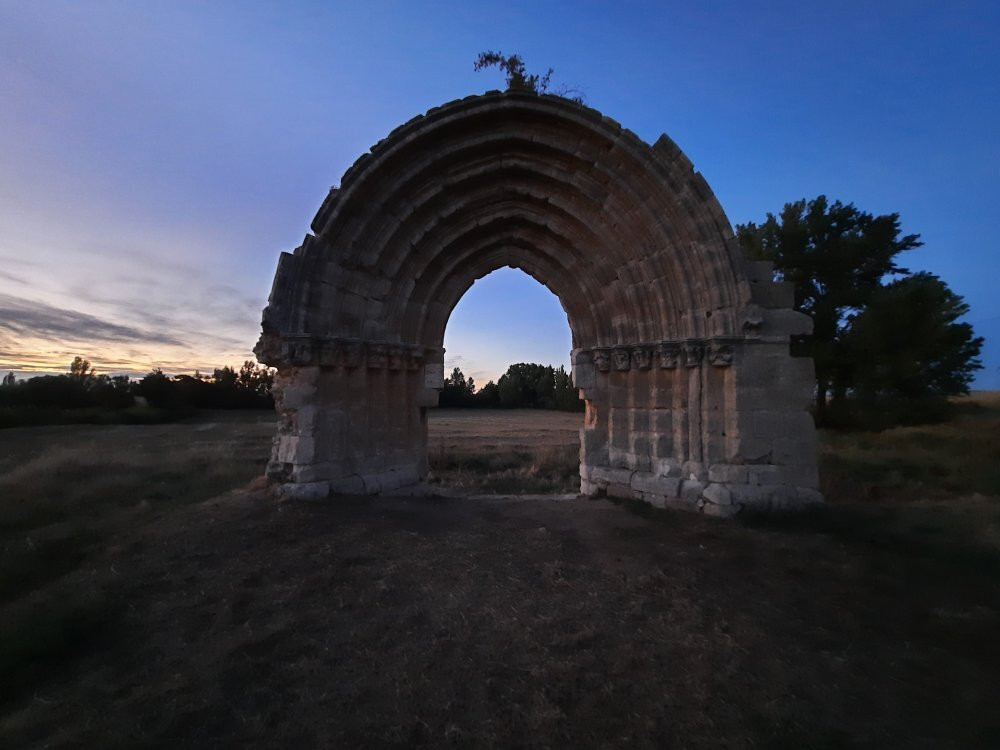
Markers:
(155, 157)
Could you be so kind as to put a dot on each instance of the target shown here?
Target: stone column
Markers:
(714, 425)
(352, 416)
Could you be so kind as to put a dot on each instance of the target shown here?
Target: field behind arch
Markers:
(152, 592)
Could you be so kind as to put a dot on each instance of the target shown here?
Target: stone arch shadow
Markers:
(680, 344)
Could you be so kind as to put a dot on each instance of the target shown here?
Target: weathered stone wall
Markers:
(681, 344)
(677, 424)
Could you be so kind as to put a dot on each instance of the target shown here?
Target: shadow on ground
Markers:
(400, 623)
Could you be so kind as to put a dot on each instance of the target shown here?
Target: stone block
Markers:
(378, 482)
(720, 511)
(773, 294)
(427, 397)
(761, 474)
(657, 501)
(352, 485)
(681, 503)
(640, 445)
(809, 496)
(761, 271)
(779, 497)
(621, 491)
(694, 470)
(748, 495)
(730, 473)
(639, 462)
(304, 491)
(285, 448)
(433, 376)
(317, 472)
(691, 490)
(605, 475)
(620, 396)
(786, 322)
(663, 444)
(297, 387)
(667, 467)
(718, 494)
(653, 483)
(584, 375)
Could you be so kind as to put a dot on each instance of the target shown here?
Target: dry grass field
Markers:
(154, 594)
(518, 451)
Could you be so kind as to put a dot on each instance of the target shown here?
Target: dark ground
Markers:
(398, 623)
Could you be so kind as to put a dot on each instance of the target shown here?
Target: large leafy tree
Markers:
(907, 350)
(840, 260)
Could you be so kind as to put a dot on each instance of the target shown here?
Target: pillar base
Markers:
(698, 493)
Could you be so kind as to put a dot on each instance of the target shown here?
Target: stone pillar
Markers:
(352, 417)
(714, 425)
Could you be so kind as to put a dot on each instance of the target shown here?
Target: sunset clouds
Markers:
(155, 158)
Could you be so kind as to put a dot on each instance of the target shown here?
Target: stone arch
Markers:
(680, 344)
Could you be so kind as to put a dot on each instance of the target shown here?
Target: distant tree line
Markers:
(523, 386)
(82, 395)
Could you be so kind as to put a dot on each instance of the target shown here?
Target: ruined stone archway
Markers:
(680, 343)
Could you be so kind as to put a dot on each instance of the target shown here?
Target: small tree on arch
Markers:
(518, 78)
(513, 67)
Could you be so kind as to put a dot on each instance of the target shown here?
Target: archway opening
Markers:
(680, 343)
(509, 417)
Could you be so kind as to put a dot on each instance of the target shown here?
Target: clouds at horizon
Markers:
(154, 160)
(29, 318)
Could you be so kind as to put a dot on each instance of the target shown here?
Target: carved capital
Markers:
(328, 352)
(298, 352)
(668, 355)
(622, 358)
(349, 354)
(693, 352)
(602, 359)
(720, 355)
(376, 356)
(268, 349)
(394, 357)
(642, 357)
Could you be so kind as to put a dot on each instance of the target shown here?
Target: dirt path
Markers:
(447, 622)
